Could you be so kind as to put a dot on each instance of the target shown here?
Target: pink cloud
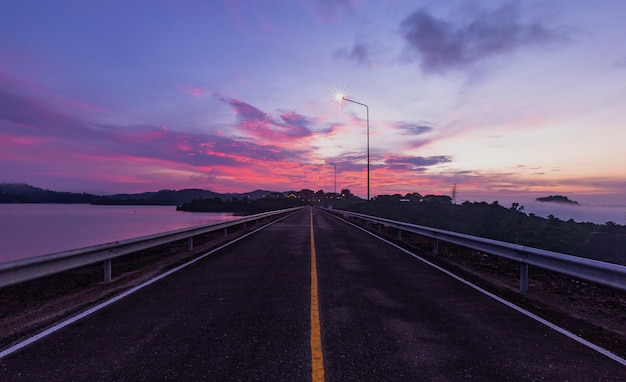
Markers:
(193, 91)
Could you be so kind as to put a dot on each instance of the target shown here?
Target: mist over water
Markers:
(581, 213)
(28, 230)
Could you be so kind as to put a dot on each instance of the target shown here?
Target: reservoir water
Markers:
(28, 230)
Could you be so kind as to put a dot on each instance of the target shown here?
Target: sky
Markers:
(504, 99)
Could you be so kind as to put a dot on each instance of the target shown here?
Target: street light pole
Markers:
(367, 110)
(335, 164)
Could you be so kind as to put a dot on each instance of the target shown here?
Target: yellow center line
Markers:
(317, 357)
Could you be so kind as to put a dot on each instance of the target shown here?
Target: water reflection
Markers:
(28, 230)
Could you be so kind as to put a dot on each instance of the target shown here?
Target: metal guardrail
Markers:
(608, 274)
(15, 272)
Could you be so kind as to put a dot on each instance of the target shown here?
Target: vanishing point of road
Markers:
(309, 297)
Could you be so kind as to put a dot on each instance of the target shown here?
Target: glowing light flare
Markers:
(339, 98)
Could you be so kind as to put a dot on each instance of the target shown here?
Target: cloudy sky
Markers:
(505, 99)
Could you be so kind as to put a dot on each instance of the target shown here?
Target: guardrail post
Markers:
(225, 232)
(245, 226)
(107, 271)
(190, 243)
(399, 234)
(436, 247)
(523, 278)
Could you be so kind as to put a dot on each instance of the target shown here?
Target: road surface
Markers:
(274, 307)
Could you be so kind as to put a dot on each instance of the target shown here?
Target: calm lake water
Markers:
(28, 230)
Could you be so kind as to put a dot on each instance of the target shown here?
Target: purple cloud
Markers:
(443, 45)
(415, 163)
(412, 129)
(359, 52)
(288, 126)
(148, 141)
(24, 117)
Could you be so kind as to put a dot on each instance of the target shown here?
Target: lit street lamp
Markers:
(340, 97)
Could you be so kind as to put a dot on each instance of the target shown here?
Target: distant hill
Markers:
(24, 193)
(557, 199)
(176, 198)
(254, 195)
(161, 198)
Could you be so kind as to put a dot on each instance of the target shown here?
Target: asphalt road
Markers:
(244, 314)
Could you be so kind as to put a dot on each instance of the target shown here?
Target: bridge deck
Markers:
(245, 314)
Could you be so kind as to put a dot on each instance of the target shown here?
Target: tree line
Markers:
(606, 242)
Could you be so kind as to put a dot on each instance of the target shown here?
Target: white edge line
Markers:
(120, 296)
(547, 323)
